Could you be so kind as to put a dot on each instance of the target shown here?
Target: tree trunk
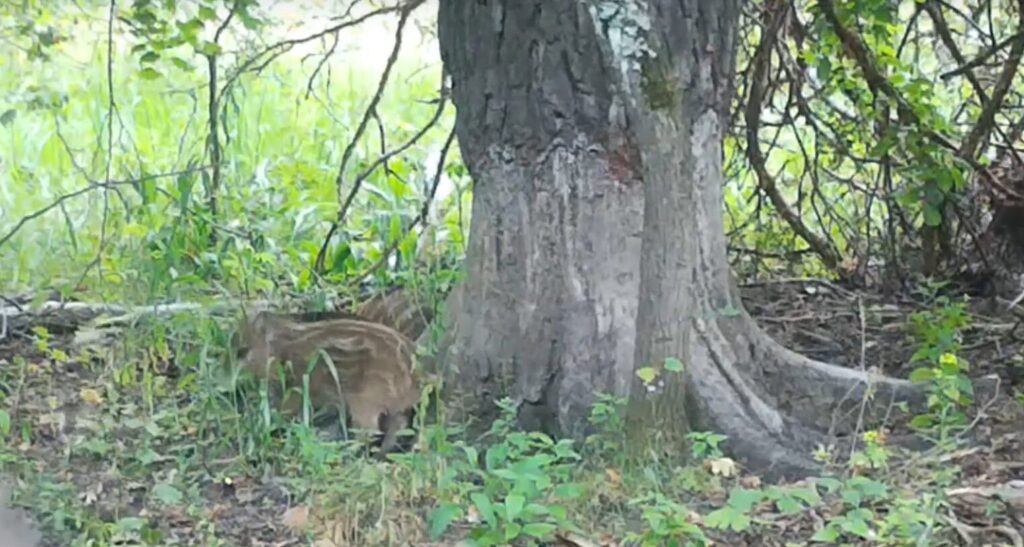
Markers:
(548, 307)
(564, 107)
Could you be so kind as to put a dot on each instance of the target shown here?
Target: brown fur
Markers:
(373, 362)
(397, 308)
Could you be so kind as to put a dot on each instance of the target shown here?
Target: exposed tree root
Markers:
(776, 405)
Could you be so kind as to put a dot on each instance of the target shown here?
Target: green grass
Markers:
(281, 159)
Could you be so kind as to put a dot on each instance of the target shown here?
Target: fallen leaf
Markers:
(472, 515)
(750, 481)
(724, 467)
(296, 518)
(90, 396)
(614, 476)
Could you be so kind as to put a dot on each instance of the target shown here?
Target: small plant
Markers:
(858, 519)
(939, 333)
(517, 494)
(735, 514)
(874, 455)
(606, 417)
(668, 523)
(704, 444)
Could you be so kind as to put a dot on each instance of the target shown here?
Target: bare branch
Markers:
(107, 185)
(776, 12)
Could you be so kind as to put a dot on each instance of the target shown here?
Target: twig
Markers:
(982, 57)
(321, 255)
(987, 117)
(280, 48)
(371, 109)
(762, 60)
(421, 217)
(93, 185)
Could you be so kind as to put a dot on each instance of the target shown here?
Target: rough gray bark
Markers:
(561, 114)
(547, 312)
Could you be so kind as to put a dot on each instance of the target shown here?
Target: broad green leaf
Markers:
(922, 375)
(922, 421)
(149, 73)
(442, 517)
(673, 365)
(857, 527)
(484, 506)
(647, 374)
(539, 530)
(512, 531)
(743, 499)
(167, 494)
(514, 506)
(827, 534)
(130, 524)
(788, 505)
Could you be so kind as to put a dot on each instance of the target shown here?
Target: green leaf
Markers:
(727, 517)
(130, 524)
(788, 505)
(442, 517)
(149, 73)
(513, 530)
(181, 64)
(484, 506)
(341, 255)
(808, 495)
(673, 365)
(7, 118)
(539, 530)
(5, 422)
(207, 13)
(932, 216)
(826, 535)
(857, 527)
(149, 57)
(167, 494)
(922, 421)
(210, 48)
(514, 506)
(647, 374)
(743, 499)
(922, 375)
(569, 491)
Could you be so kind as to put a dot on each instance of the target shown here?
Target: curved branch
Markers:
(987, 119)
(320, 257)
(106, 185)
(761, 61)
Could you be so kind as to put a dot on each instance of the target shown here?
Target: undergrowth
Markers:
(142, 436)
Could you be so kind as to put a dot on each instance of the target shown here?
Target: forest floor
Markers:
(99, 454)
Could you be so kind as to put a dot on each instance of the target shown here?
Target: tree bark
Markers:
(547, 311)
(585, 125)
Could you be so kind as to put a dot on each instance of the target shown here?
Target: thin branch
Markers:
(213, 107)
(983, 57)
(321, 256)
(987, 119)
(761, 61)
(107, 185)
(420, 218)
(370, 111)
(280, 48)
